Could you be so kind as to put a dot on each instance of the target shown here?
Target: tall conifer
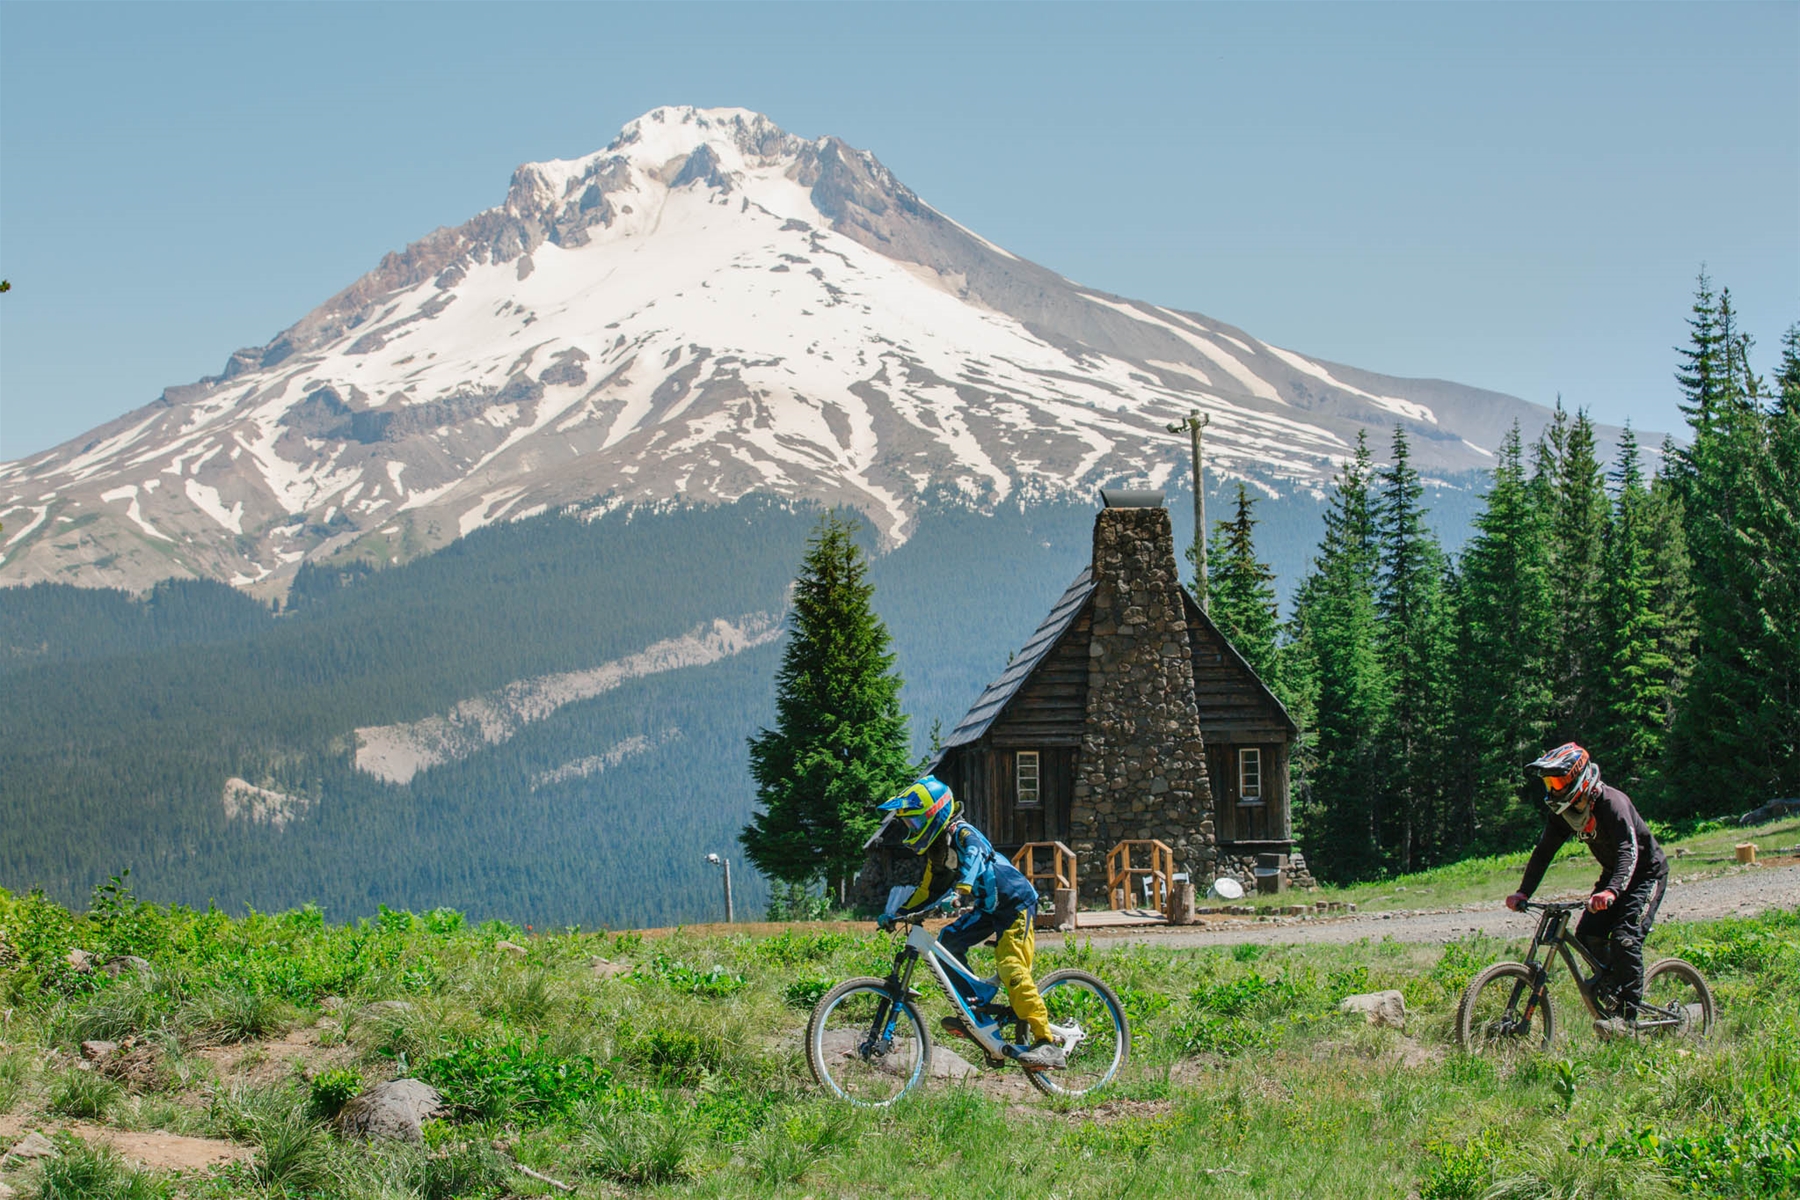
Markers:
(1413, 608)
(1502, 682)
(840, 743)
(1576, 549)
(1243, 590)
(1337, 630)
(1638, 673)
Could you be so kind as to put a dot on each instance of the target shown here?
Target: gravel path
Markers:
(1740, 892)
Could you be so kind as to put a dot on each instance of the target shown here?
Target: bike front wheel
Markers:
(1088, 1017)
(1676, 1001)
(866, 1045)
(1497, 1016)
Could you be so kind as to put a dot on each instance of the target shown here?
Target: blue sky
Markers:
(1516, 196)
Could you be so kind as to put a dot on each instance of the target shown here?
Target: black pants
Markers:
(1615, 936)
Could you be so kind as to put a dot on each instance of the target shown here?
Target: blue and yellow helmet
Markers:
(925, 809)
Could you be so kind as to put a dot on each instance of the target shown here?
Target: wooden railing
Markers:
(1062, 864)
(1122, 876)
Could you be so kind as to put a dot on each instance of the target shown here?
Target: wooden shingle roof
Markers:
(994, 699)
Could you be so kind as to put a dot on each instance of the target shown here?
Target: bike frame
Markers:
(921, 944)
(1553, 936)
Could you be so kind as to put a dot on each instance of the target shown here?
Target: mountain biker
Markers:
(1622, 908)
(999, 900)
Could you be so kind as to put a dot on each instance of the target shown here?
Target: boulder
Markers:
(1378, 1008)
(118, 964)
(96, 1050)
(512, 948)
(81, 961)
(393, 1111)
(606, 969)
(32, 1145)
(1771, 811)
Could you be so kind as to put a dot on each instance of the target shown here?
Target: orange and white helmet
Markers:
(1571, 777)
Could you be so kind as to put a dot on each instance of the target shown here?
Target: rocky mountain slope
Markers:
(709, 307)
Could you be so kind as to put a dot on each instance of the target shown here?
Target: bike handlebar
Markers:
(1552, 905)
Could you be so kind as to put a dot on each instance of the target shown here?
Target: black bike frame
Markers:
(1553, 934)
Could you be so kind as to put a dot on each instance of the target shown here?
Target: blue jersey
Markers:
(962, 857)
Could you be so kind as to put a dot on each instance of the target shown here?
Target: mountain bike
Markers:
(1506, 1009)
(867, 1043)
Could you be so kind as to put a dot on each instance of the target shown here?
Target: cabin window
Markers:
(1250, 775)
(1030, 792)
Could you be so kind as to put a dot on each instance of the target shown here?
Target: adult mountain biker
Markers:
(1633, 872)
(1000, 900)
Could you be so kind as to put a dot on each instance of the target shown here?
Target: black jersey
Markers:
(1614, 832)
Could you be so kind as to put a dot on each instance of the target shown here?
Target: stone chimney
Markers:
(1142, 768)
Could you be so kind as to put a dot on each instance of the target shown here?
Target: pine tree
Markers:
(1501, 680)
(1243, 591)
(1737, 731)
(1335, 635)
(840, 743)
(1639, 674)
(1413, 608)
(1702, 374)
(1577, 547)
(1787, 375)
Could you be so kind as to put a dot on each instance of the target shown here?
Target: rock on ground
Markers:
(32, 1145)
(392, 1111)
(1378, 1008)
(945, 1064)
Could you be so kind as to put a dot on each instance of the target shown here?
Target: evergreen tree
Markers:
(1639, 674)
(1243, 591)
(1702, 374)
(1336, 630)
(840, 743)
(1787, 375)
(1501, 678)
(1413, 609)
(1737, 732)
(1576, 552)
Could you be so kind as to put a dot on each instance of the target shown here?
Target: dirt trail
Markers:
(1742, 892)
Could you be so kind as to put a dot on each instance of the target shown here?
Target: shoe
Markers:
(1615, 1027)
(1039, 1056)
(956, 1027)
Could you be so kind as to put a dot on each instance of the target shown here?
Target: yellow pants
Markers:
(1013, 953)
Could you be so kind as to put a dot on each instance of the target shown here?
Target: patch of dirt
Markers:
(167, 1151)
(151, 1148)
(1119, 1110)
(298, 1052)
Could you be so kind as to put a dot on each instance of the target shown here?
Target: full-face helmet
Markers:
(1571, 777)
(925, 810)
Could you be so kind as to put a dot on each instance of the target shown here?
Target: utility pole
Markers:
(1195, 422)
(716, 861)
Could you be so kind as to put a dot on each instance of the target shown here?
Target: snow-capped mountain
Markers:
(708, 307)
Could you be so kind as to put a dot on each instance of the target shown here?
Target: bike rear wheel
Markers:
(1080, 1002)
(1677, 1002)
(866, 1045)
(1493, 1018)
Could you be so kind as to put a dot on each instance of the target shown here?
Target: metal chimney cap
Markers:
(1129, 498)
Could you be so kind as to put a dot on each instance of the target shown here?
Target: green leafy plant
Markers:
(712, 983)
(331, 1090)
(805, 994)
(500, 1078)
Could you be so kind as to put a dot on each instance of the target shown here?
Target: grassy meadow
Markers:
(670, 1064)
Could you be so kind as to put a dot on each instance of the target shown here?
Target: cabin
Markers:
(1127, 716)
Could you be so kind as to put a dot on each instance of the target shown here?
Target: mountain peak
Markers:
(707, 307)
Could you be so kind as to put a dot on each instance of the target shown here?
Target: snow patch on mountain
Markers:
(395, 753)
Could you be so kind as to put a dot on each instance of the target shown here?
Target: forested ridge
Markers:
(1651, 614)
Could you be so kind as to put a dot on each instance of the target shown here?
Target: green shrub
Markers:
(714, 983)
(1209, 1033)
(805, 994)
(495, 1079)
(1754, 1153)
(84, 1095)
(331, 1090)
(1247, 952)
(790, 948)
(1462, 1172)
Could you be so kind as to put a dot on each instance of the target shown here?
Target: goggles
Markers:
(1556, 785)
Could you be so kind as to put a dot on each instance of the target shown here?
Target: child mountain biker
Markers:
(1622, 908)
(1000, 901)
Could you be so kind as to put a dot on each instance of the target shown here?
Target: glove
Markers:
(1515, 900)
(1601, 900)
(884, 922)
